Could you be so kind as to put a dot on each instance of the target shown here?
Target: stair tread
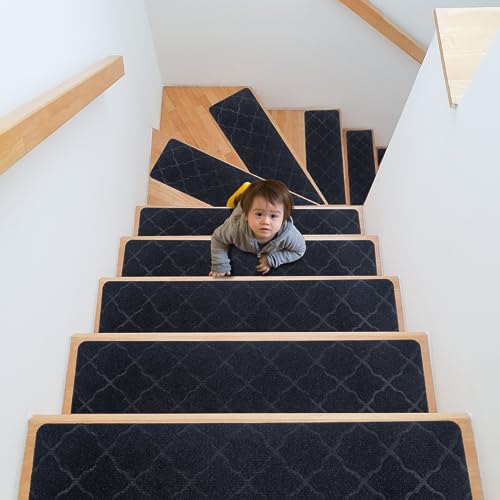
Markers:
(159, 376)
(361, 164)
(258, 143)
(324, 153)
(270, 458)
(192, 258)
(200, 175)
(163, 221)
(249, 304)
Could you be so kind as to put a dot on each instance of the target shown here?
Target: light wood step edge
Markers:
(393, 279)
(312, 237)
(76, 340)
(462, 420)
(357, 208)
(157, 189)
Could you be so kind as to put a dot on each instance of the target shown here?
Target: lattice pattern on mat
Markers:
(337, 461)
(252, 377)
(226, 305)
(203, 221)
(192, 258)
(253, 136)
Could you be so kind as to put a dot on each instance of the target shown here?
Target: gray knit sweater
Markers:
(287, 246)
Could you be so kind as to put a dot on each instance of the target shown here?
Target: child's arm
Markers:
(219, 247)
(294, 249)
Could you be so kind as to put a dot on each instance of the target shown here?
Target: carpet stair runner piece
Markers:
(389, 456)
(324, 153)
(202, 176)
(158, 221)
(380, 155)
(361, 164)
(254, 137)
(167, 256)
(249, 304)
(377, 373)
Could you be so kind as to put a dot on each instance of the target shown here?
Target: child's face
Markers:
(265, 219)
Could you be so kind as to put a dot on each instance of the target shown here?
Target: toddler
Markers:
(260, 224)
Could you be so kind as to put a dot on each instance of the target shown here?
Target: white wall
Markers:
(416, 17)
(434, 205)
(64, 206)
(295, 53)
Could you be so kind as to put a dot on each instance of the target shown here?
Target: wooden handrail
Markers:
(376, 19)
(27, 126)
(464, 36)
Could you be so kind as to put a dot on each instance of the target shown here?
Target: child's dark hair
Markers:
(272, 191)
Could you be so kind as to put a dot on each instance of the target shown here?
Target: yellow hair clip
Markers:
(231, 201)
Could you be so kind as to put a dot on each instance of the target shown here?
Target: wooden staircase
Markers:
(299, 384)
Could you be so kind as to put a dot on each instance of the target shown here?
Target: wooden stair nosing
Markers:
(310, 237)
(357, 208)
(419, 337)
(393, 279)
(462, 420)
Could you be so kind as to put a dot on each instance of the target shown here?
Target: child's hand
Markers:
(263, 265)
(215, 274)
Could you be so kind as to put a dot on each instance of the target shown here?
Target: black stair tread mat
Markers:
(203, 221)
(380, 154)
(258, 143)
(226, 305)
(192, 258)
(361, 161)
(391, 460)
(324, 153)
(200, 175)
(249, 377)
